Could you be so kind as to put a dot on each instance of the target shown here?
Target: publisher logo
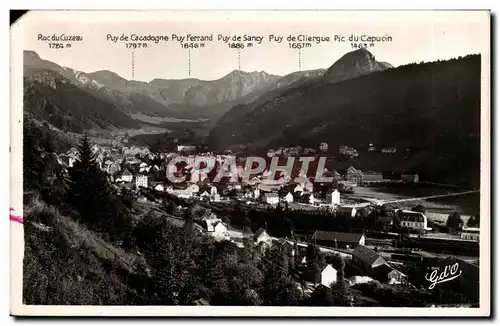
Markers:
(448, 274)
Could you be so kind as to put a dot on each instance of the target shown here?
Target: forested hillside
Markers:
(430, 109)
(50, 97)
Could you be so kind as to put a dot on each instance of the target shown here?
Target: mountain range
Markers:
(428, 111)
(186, 98)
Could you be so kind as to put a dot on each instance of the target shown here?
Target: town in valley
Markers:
(354, 185)
(394, 242)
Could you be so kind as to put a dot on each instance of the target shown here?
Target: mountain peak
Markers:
(361, 53)
(355, 63)
(31, 54)
(236, 72)
(106, 75)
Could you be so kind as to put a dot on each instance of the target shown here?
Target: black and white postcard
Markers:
(250, 163)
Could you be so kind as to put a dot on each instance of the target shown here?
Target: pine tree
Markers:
(473, 221)
(90, 193)
(314, 273)
(55, 193)
(249, 250)
(322, 296)
(341, 290)
(454, 222)
(296, 254)
(33, 157)
(86, 184)
(276, 288)
(206, 270)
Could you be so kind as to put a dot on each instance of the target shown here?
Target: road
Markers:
(382, 202)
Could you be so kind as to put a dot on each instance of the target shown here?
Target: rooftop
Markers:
(366, 254)
(258, 233)
(337, 236)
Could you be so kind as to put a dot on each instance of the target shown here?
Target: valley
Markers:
(252, 159)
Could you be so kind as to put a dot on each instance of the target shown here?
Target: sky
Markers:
(416, 36)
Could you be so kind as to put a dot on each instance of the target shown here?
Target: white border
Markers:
(16, 201)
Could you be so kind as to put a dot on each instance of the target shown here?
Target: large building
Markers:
(470, 234)
(375, 266)
(338, 239)
(272, 198)
(412, 220)
(388, 150)
(141, 181)
(372, 177)
(348, 151)
(367, 259)
(353, 175)
(127, 176)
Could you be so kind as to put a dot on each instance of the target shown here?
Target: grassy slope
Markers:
(65, 263)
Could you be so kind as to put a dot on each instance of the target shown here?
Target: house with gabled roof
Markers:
(214, 227)
(127, 176)
(205, 195)
(261, 236)
(158, 186)
(328, 276)
(354, 175)
(271, 198)
(288, 198)
(220, 232)
(333, 198)
(396, 277)
(284, 246)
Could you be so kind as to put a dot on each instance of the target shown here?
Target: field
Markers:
(159, 120)
(437, 209)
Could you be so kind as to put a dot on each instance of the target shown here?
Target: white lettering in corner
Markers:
(449, 273)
